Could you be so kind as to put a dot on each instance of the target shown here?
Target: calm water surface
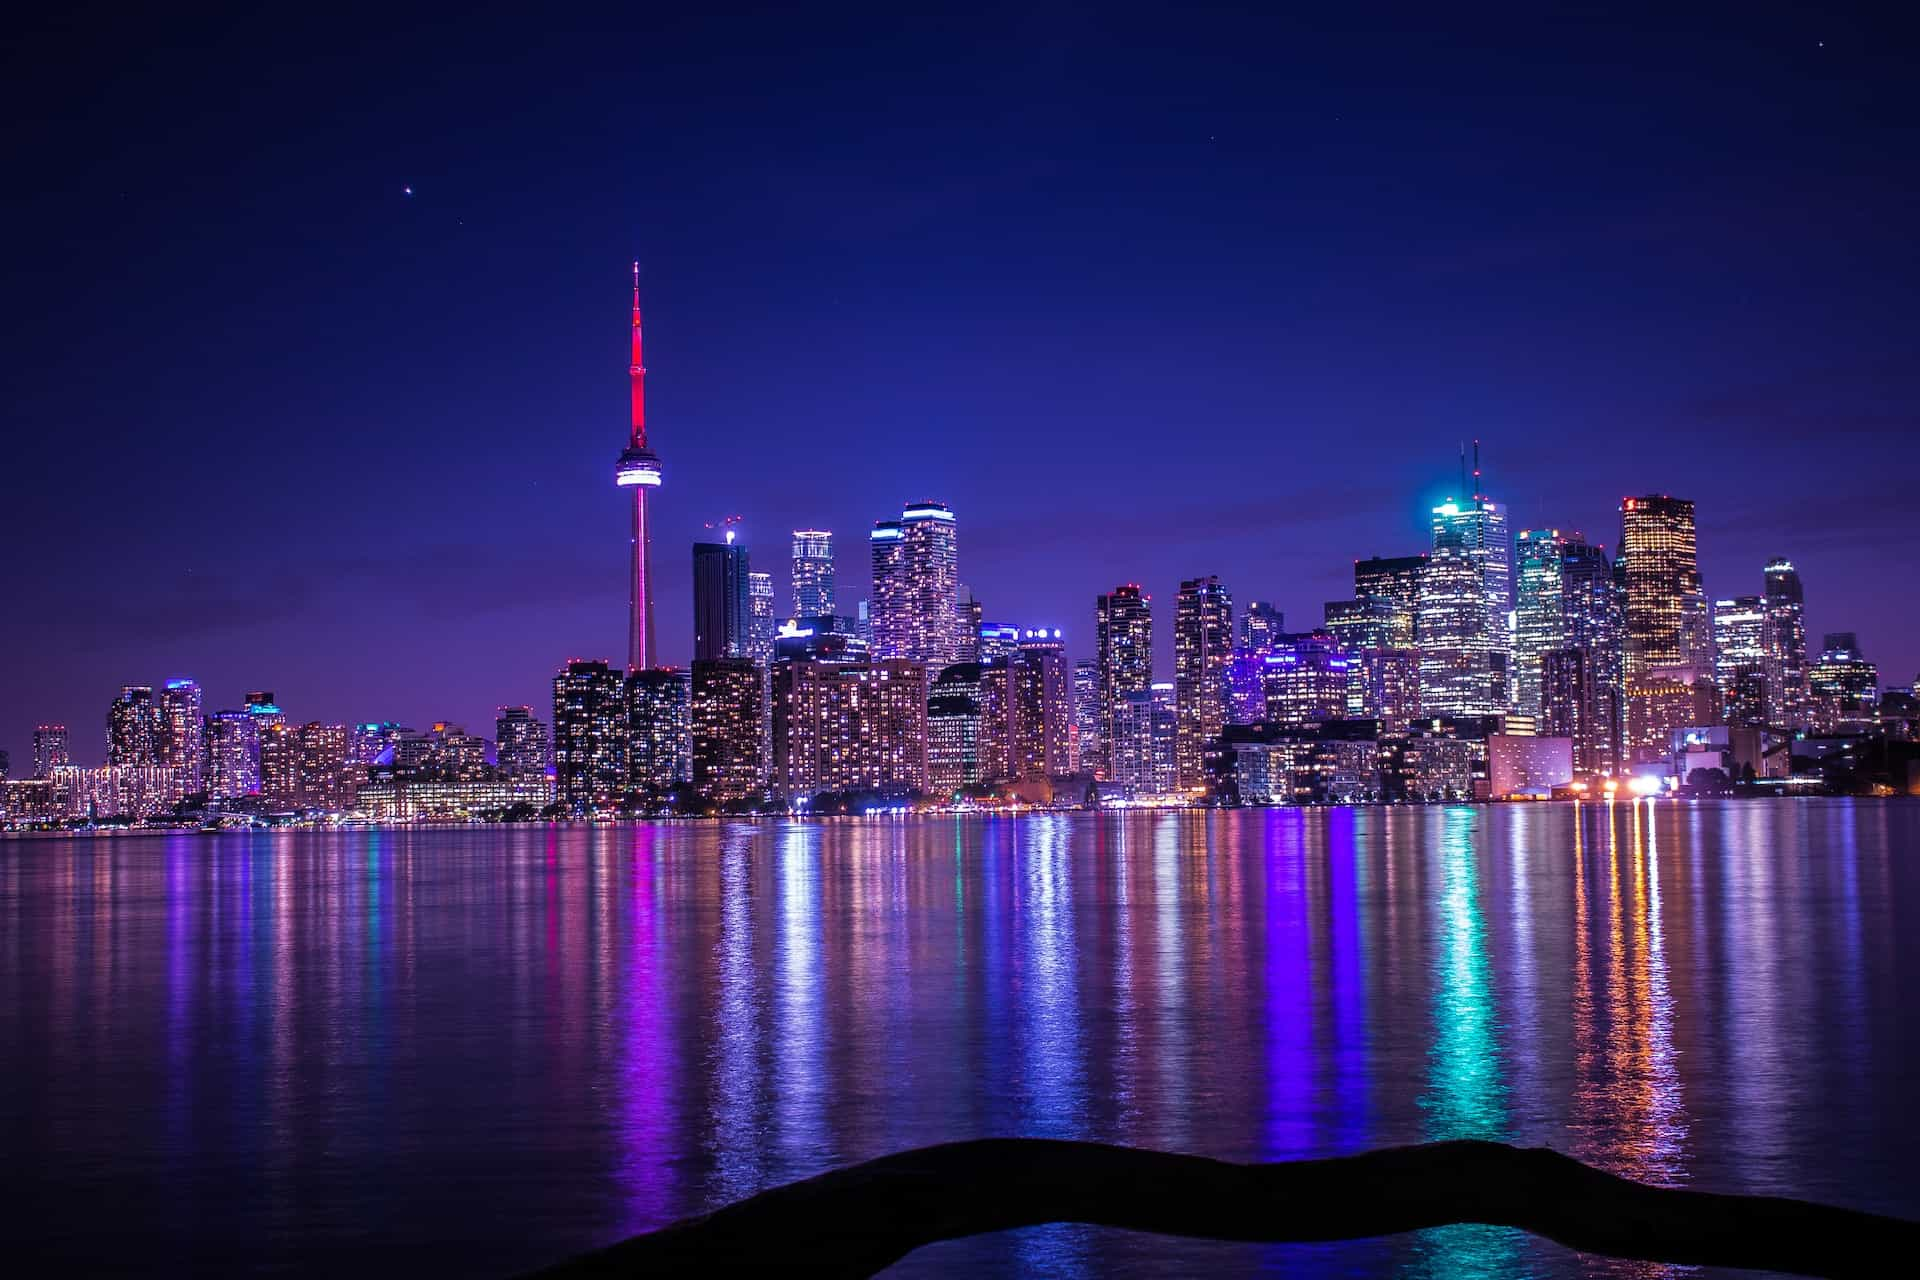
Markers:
(480, 1050)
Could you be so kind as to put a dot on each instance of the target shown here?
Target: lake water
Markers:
(476, 1050)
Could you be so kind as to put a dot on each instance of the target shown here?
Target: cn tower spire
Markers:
(637, 371)
(639, 471)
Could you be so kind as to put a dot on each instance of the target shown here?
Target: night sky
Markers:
(1143, 295)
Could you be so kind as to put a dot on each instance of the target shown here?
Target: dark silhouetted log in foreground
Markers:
(859, 1220)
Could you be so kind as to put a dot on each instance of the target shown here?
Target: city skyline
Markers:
(444, 532)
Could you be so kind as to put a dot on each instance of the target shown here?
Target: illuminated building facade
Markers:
(659, 730)
(813, 573)
(1088, 723)
(373, 743)
(280, 765)
(1246, 681)
(520, 741)
(589, 735)
(760, 621)
(182, 745)
(916, 601)
(233, 755)
(1666, 616)
(1843, 688)
(726, 711)
(323, 779)
(1123, 643)
(1740, 658)
(1305, 680)
(133, 727)
(996, 642)
(1395, 579)
(119, 791)
(51, 749)
(1365, 623)
(1040, 707)
(397, 799)
(1202, 646)
(1383, 685)
(953, 731)
(886, 612)
(1784, 599)
(1462, 660)
(1477, 528)
(1165, 725)
(839, 727)
(1580, 702)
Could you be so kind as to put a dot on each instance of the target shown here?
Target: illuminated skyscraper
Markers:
(372, 743)
(1843, 688)
(1383, 685)
(659, 730)
(998, 642)
(722, 600)
(1306, 678)
(1039, 696)
(1740, 658)
(953, 731)
(760, 623)
(916, 601)
(1166, 736)
(1462, 673)
(133, 727)
(1395, 579)
(1565, 598)
(1786, 644)
(589, 735)
(1260, 626)
(727, 713)
(50, 749)
(1087, 721)
(1202, 645)
(280, 764)
(233, 755)
(1476, 528)
(520, 743)
(322, 778)
(183, 738)
(1665, 609)
(812, 573)
(638, 472)
(1364, 623)
(1123, 643)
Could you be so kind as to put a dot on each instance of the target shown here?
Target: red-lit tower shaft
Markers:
(639, 471)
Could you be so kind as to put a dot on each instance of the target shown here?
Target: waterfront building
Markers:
(280, 764)
(233, 755)
(1462, 659)
(727, 704)
(1661, 701)
(1529, 765)
(1843, 688)
(589, 735)
(1260, 626)
(953, 731)
(1040, 707)
(114, 791)
(1579, 703)
(182, 735)
(1130, 746)
(322, 777)
(840, 727)
(133, 727)
(996, 722)
(1740, 658)
(1666, 614)
(1383, 685)
(1395, 579)
(51, 749)
(813, 594)
(1306, 678)
(521, 748)
(1202, 645)
(1123, 643)
(1089, 754)
(394, 799)
(659, 730)
(722, 600)
(916, 602)
(1785, 661)
(372, 743)
(1165, 726)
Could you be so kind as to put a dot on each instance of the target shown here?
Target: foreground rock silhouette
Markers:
(859, 1220)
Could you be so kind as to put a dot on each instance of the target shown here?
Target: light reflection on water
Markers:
(318, 1051)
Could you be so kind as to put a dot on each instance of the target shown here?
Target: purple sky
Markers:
(1142, 295)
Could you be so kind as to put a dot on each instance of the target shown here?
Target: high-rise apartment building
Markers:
(1087, 722)
(183, 735)
(1368, 622)
(1786, 644)
(1202, 646)
(233, 755)
(280, 764)
(521, 745)
(323, 780)
(813, 573)
(727, 711)
(659, 730)
(1123, 644)
(1166, 736)
(51, 749)
(916, 601)
(953, 731)
(133, 727)
(1040, 707)
(1306, 679)
(760, 621)
(722, 600)
(1383, 685)
(589, 735)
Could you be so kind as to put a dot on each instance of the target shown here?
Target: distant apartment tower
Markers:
(760, 621)
(1396, 580)
(659, 730)
(812, 573)
(323, 779)
(233, 755)
(1784, 600)
(1202, 646)
(133, 727)
(1087, 723)
(726, 713)
(183, 735)
(916, 601)
(1123, 644)
(51, 749)
(1040, 707)
(1260, 626)
(953, 731)
(1740, 658)
(722, 600)
(589, 735)
(521, 745)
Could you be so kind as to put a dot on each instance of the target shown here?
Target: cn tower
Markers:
(639, 470)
